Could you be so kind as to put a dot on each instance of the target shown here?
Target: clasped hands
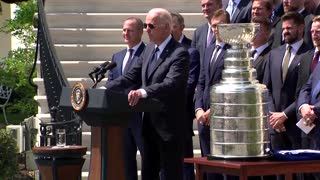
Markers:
(277, 120)
(307, 113)
(203, 117)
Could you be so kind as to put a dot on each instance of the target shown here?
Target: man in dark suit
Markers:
(312, 6)
(309, 105)
(177, 33)
(277, 13)
(131, 32)
(239, 10)
(163, 72)
(309, 81)
(293, 6)
(203, 35)
(210, 74)
(177, 29)
(309, 108)
(260, 46)
(309, 60)
(281, 76)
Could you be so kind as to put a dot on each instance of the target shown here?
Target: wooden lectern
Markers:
(107, 112)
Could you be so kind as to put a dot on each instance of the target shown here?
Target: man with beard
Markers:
(280, 77)
(261, 8)
(293, 6)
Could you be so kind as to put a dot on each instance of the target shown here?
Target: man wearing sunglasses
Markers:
(163, 72)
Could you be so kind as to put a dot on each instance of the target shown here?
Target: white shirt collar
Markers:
(135, 48)
(181, 38)
(295, 46)
(260, 49)
(301, 10)
(221, 44)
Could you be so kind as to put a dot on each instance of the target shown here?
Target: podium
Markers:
(107, 112)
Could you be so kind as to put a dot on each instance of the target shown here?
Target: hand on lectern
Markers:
(134, 97)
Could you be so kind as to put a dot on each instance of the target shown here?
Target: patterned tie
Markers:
(315, 60)
(214, 58)
(285, 63)
(152, 61)
(210, 37)
(126, 67)
(233, 8)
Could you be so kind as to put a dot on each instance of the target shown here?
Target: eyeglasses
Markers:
(151, 26)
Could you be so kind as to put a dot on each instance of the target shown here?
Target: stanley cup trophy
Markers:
(239, 119)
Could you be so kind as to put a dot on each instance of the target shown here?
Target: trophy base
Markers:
(240, 158)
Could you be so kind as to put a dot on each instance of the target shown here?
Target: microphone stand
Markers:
(97, 80)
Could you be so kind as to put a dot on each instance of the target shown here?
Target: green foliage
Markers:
(16, 67)
(21, 26)
(8, 155)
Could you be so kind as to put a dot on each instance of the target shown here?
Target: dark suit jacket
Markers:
(260, 63)
(186, 41)
(167, 82)
(304, 69)
(305, 97)
(118, 58)
(243, 12)
(277, 33)
(282, 94)
(278, 12)
(317, 11)
(199, 40)
(205, 80)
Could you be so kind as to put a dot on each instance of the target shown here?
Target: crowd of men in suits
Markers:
(179, 72)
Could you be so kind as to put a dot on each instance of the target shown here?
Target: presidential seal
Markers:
(78, 96)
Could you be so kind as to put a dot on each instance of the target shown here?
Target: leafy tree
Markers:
(8, 155)
(16, 67)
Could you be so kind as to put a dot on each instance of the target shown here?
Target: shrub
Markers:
(8, 155)
(16, 67)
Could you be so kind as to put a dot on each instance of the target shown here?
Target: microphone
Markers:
(97, 69)
(109, 66)
(102, 71)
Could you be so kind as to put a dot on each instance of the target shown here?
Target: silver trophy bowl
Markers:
(238, 104)
(238, 34)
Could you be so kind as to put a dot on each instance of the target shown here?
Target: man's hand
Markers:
(202, 117)
(134, 97)
(207, 115)
(307, 113)
(277, 120)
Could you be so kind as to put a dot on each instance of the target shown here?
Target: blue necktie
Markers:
(152, 61)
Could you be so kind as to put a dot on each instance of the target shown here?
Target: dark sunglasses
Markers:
(151, 26)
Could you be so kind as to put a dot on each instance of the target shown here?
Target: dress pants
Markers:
(204, 137)
(133, 142)
(166, 156)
